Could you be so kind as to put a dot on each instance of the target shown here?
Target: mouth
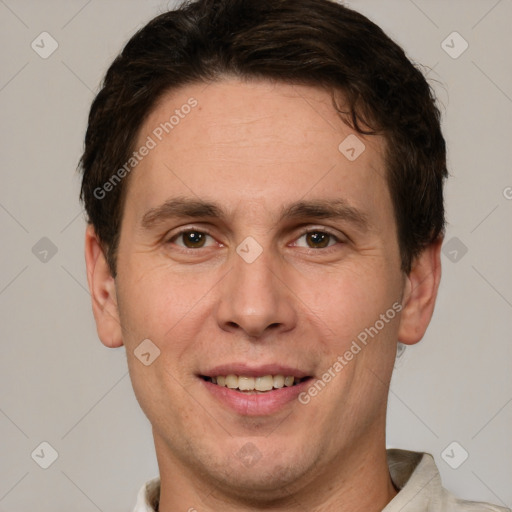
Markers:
(261, 390)
(255, 391)
(251, 385)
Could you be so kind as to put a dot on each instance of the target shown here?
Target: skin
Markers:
(254, 148)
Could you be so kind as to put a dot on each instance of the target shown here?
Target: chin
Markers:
(260, 474)
(257, 485)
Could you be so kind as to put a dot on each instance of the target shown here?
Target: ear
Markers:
(103, 291)
(420, 294)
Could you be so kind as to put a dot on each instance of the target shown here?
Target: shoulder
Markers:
(421, 490)
(452, 504)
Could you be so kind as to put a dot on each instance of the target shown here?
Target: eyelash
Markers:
(308, 231)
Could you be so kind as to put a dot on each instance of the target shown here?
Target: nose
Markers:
(255, 297)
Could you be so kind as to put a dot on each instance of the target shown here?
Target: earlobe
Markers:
(103, 291)
(420, 294)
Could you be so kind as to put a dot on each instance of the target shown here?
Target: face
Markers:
(254, 245)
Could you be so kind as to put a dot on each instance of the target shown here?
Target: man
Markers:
(263, 180)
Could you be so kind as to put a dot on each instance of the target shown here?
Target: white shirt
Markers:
(414, 473)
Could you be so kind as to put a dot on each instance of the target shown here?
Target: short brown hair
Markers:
(309, 42)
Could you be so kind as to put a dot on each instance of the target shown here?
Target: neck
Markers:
(355, 481)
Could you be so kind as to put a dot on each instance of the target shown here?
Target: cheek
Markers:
(350, 298)
(159, 304)
(155, 299)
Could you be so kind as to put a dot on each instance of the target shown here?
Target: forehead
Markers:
(257, 145)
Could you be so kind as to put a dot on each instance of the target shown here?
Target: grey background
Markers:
(60, 385)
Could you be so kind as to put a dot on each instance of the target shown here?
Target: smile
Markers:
(254, 385)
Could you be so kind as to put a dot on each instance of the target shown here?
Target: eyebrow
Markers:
(183, 207)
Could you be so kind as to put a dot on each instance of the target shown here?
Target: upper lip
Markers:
(255, 371)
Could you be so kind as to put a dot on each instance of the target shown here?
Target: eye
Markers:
(190, 238)
(318, 239)
(196, 239)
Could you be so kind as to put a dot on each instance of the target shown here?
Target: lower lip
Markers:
(257, 404)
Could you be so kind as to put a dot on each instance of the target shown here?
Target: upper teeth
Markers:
(243, 383)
